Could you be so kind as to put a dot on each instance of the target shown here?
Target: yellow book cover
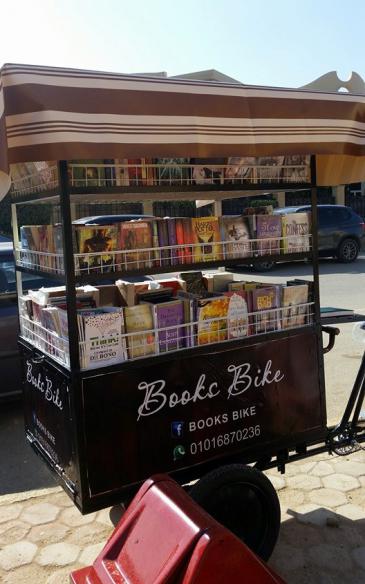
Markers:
(294, 300)
(212, 320)
(296, 232)
(140, 319)
(206, 233)
(93, 240)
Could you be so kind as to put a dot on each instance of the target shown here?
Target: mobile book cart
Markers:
(202, 412)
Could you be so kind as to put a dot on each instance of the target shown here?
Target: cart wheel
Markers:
(243, 500)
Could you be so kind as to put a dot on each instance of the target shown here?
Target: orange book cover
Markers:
(179, 227)
(188, 239)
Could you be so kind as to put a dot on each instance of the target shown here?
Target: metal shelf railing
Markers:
(172, 339)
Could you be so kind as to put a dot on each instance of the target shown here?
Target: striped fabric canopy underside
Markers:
(53, 113)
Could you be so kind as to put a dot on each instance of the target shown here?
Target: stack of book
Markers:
(134, 320)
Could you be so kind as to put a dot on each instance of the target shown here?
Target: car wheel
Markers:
(348, 250)
(263, 266)
(243, 500)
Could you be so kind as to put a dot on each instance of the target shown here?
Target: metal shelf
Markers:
(120, 274)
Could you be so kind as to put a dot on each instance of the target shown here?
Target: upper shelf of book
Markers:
(167, 175)
(155, 245)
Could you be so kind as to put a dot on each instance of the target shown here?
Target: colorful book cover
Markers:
(180, 240)
(27, 238)
(139, 319)
(240, 168)
(163, 241)
(171, 171)
(103, 337)
(171, 230)
(136, 239)
(188, 239)
(296, 232)
(46, 246)
(238, 315)
(235, 231)
(194, 282)
(155, 241)
(169, 320)
(93, 240)
(208, 170)
(268, 232)
(265, 301)
(58, 248)
(294, 315)
(138, 172)
(206, 234)
(212, 320)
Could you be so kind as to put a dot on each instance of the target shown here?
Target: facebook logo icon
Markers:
(177, 429)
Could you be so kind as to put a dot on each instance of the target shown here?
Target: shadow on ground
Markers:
(320, 547)
(20, 469)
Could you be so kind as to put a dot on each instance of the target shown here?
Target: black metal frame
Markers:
(313, 442)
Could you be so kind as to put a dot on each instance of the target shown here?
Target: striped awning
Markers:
(53, 113)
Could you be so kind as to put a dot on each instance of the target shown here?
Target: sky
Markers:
(260, 42)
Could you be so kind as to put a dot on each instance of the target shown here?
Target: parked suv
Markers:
(340, 232)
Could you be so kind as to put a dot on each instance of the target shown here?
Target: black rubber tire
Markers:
(348, 250)
(244, 500)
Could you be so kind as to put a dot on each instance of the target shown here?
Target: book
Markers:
(180, 240)
(235, 231)
(136, 240)
(292, 314)
(208, 170)
(157, 295)
(194, 282)
(188, 240)
(58, 248)
(136, 172)
(217, 282)
(265, 302)
(238, 323)
(94, 240)
(206, 234)
(45, 246)
(171, 171)
(308, 283)
(169, 322)
(171, 230)
(331, 312)
(101, 332)
(50, 319)
(212, 319)
(163, 241)
(296, 232)
(268, 232)
(141, 336)
(240, 168)
(129, 290)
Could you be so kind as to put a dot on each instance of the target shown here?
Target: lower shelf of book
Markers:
(183, 413)
(97, 351)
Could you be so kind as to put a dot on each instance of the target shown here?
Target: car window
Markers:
(8, 280)
(333, 216)
(343, 214)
